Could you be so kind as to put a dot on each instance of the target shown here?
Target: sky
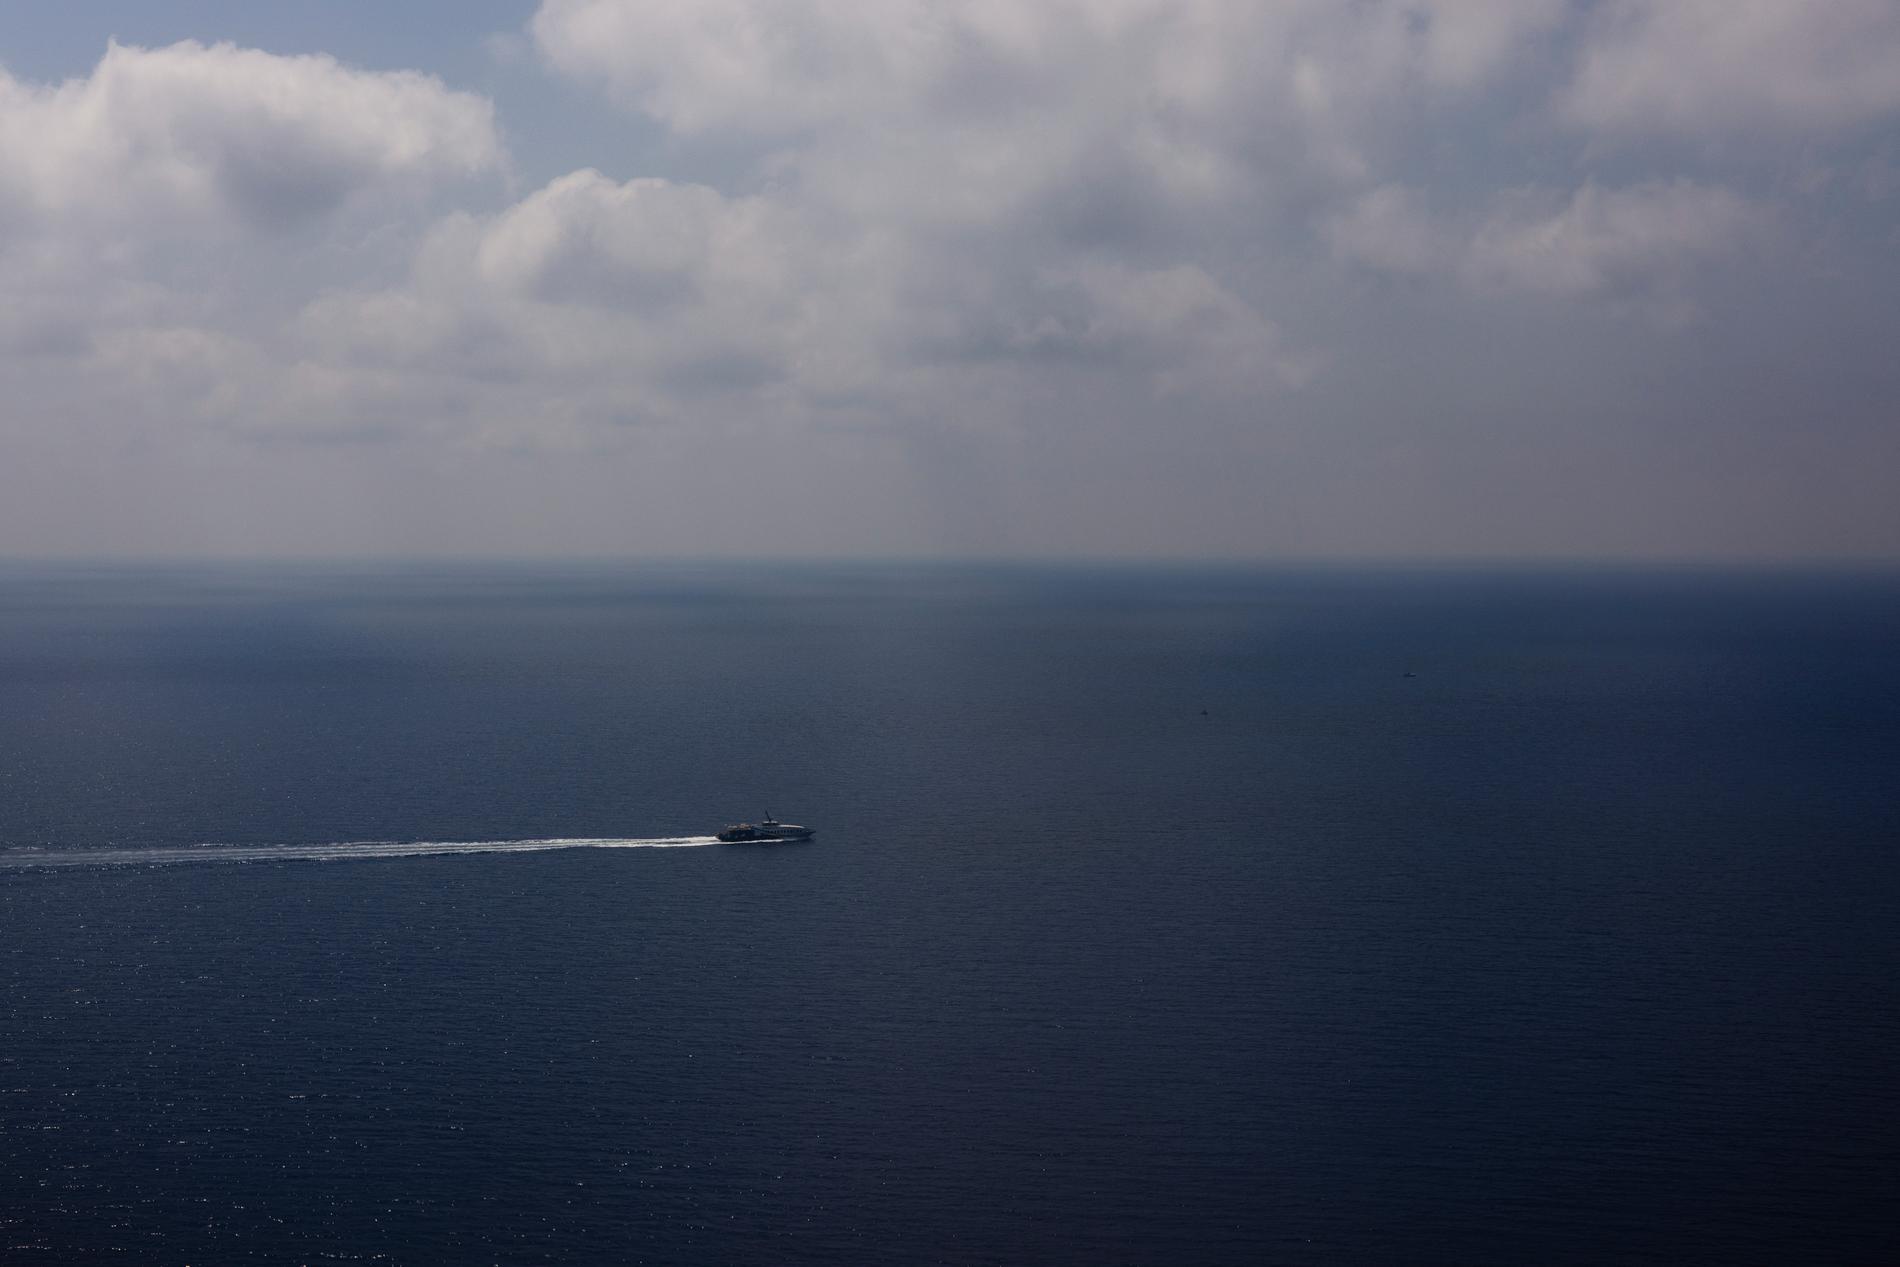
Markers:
(1223, 279)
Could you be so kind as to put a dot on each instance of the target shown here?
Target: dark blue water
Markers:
(1155, 916)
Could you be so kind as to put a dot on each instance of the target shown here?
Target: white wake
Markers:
(338, 851)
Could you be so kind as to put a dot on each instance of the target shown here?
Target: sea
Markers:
(1155, 914)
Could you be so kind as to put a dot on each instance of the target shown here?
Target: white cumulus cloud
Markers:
(164, 212)
(230, 134)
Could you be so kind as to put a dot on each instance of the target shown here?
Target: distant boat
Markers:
(766, 831)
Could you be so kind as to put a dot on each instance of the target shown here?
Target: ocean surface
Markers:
(1154, 916)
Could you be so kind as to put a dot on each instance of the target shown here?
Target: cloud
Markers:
(1735, 68)
(948, 202)
(1618, 241)
(605, 303)
(1389, 229)
(983, 106)
(164, 213)
(828, 294)
(952, 199)
(647, 243)
(231, 136)
(736, 63)
(1635, 244)
(778, 68)
(1126, 237)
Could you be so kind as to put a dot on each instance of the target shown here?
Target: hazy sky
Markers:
(1235, 278)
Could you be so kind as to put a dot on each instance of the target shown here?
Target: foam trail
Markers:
(337, 851)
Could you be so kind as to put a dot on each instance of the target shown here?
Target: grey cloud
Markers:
(1724, 68)
(1639, 242)
(1608, 240)
(271, 186)
(1390, 229)
(722, 372)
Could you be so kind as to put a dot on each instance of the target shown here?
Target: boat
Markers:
(766, 831)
